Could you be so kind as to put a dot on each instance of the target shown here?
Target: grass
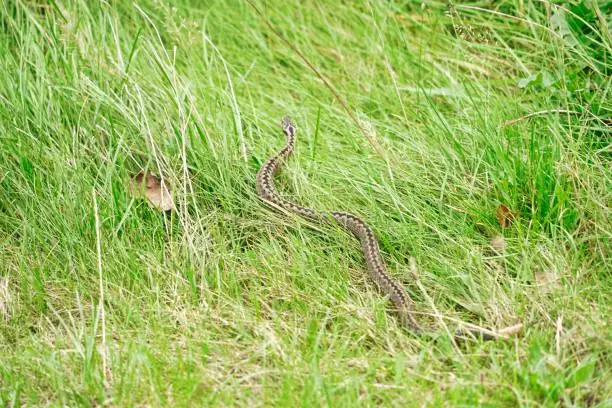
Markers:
(440, 114)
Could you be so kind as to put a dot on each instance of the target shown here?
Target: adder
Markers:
(403, 304)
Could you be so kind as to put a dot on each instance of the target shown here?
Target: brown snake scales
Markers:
(399, 298)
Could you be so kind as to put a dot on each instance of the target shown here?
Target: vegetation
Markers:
(422, 117)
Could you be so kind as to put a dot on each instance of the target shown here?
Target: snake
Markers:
(403, 305)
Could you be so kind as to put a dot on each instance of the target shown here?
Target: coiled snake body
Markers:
(376, 267)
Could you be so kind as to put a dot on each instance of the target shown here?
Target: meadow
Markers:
(421, 117)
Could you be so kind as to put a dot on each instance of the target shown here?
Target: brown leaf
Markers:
(158, 193)
(504, 216)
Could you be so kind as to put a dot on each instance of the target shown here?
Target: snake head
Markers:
(288, 126)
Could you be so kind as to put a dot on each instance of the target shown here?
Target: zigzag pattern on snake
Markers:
(376, 267)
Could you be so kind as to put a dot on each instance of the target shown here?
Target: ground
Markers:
(421, 117)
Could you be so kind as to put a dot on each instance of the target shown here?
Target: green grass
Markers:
(451, 112)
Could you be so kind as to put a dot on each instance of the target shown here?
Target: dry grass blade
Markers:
(4, 298)
(511, 330)
(156, 191)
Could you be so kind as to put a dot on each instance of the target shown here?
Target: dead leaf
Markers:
(498, 243)
(158, 193)
(504, 216)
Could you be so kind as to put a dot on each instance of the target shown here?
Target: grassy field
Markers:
(422, 119)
